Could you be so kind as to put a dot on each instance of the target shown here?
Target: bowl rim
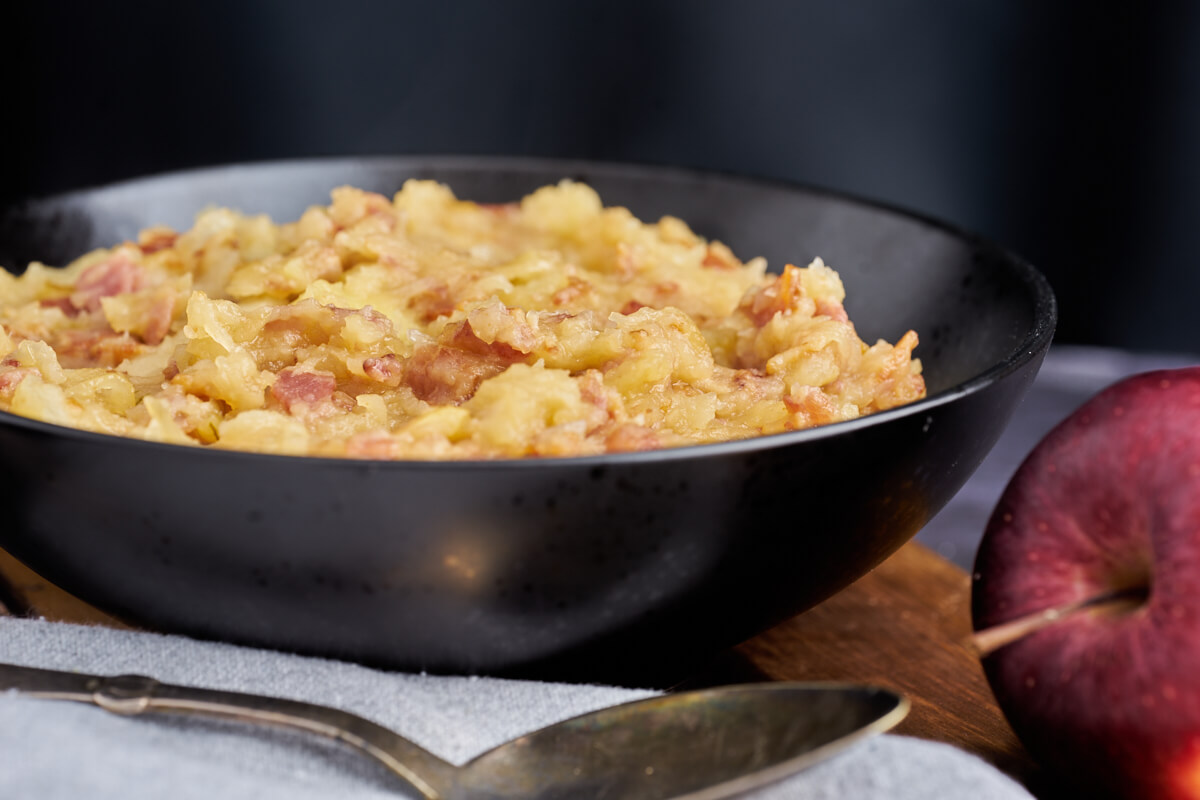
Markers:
(1035, 342)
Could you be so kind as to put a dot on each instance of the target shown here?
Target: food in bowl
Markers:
(429, 327)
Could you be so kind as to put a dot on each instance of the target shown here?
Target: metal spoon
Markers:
(698, 745)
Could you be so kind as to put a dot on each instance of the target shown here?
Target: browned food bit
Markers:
(116, 275)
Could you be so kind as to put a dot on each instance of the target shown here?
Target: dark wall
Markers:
(1069, 134)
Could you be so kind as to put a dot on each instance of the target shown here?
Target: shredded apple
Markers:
(428, 327)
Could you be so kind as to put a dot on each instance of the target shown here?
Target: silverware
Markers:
(698, 745)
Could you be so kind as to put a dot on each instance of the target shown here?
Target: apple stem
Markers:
(989, 640)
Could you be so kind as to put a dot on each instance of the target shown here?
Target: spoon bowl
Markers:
(700, 745)
(704, 744)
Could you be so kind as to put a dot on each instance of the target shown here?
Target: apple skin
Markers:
(1108, 501)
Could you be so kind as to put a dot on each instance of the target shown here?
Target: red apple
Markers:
(1091, 565)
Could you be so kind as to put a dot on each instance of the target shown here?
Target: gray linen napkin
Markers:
(51, 749)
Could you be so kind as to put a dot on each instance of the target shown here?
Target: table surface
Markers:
(904, 626)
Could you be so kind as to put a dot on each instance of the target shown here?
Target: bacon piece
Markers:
(833, 310)
(779, 295)
(592, 391)
(116, 275)
(159, 315)
(494, 325)
(433, 302)
(442, 375)
(463, 337)
(629, 438)
(809, 407)
(63, 304)
(387, 369)
(632, 306)
(94, 347)
(451, 371)
(10, 378)
(600, 409)
(294, 388)
(112, 350)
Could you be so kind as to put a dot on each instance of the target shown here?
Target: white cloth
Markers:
(53, 749)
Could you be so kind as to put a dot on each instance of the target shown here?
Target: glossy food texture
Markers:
(428, 327)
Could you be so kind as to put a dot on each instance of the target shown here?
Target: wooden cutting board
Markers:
(904, 626)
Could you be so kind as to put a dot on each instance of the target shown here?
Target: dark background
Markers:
(1068, 132)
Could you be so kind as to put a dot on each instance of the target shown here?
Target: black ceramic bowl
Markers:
(622, 568)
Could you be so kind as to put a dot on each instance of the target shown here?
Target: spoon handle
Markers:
(135, 694)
